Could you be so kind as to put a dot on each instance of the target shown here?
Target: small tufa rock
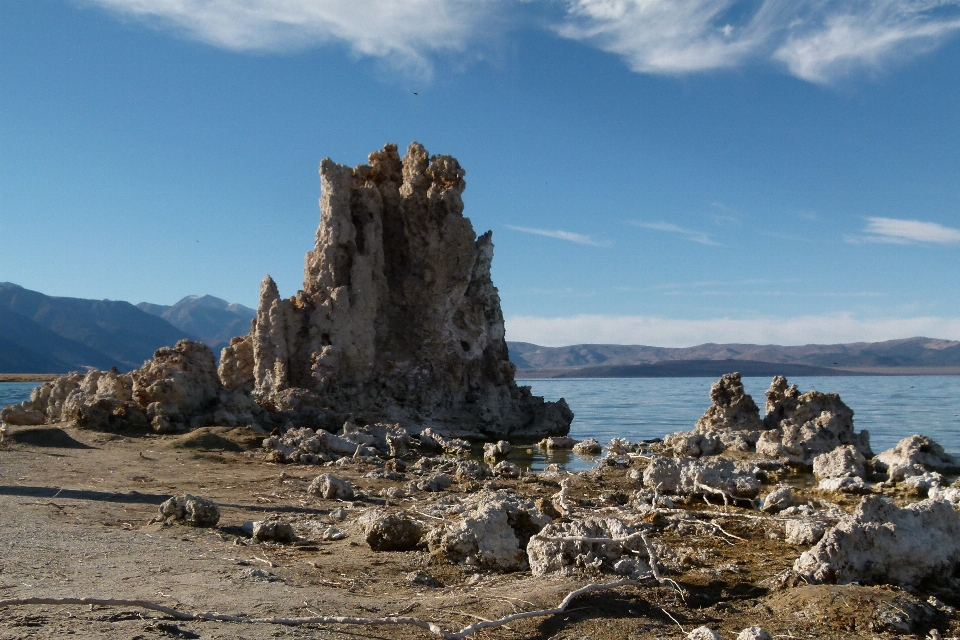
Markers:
(913, 456)
(754, 633)
(550, 556)
(557, 442)
(804, 532)
(422, 579)
(390, 531)
(842, 462)
(273, 531)
(504, 469)
(493, 451)
(619, 447)
(733, 409)
(844, 485)
(881, 543)
(777, 500)
(703, 633)
(493, 534)
(332, 533)
(588, 447)
(191, 510)
(331, 487)
(671, 475)
(435, 482)
(798, 427)
(470, 470)
(453, 446)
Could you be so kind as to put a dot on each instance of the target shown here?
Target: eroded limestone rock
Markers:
(801, 427)
(589, 447)
(914, 456)
(177, 390)
(548, 554)
(494, 450)
(842, 462)
(732, 409)
(331, 487)
(191, 510)
(754, 633)
(844, 485)
(390, 531)
(804, 532)
(398, 320)
(703, 633)
(779, 499)
(686, 475)
(881, 543)
(557, 442)
(19, 414)
(307, 446)
(272, 531)
(493, 534)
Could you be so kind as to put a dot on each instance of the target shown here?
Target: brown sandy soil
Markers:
(28, 377)
(75, 521)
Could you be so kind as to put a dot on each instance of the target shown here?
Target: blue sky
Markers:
(664, 172)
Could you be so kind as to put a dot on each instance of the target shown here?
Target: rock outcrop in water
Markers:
(801, 427)
(398, 320)
(796, 429)
(177, 390)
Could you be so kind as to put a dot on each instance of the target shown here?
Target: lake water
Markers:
(889, 407)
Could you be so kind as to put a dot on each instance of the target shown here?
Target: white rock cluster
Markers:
(492, 534)
(881, 543)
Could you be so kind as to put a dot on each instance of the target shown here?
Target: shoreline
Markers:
(591, 373)
(28, 377)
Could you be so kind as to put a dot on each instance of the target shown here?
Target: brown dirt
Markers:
(75, 521)
(28, 377)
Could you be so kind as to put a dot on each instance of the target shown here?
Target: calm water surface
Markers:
(889, 407)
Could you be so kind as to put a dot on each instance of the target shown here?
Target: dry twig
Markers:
(347, 620)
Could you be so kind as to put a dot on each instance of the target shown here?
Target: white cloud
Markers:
(865, 35)
(892, 230)
(569, 236)
(403, 33)
(689, 234)
(672, 332)
(817, 40)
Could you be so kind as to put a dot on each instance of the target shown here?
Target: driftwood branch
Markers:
(347, 620)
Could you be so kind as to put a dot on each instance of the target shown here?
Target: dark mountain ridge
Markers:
(211, 319)
(48, 334)
(591, 360)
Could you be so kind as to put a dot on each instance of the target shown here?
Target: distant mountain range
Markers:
(47, 334)
(908, 356)
(212, 320)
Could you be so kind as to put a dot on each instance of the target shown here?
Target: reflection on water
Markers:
(889, 407)
(536, 459)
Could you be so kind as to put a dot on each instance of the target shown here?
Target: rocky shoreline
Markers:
(346, 467)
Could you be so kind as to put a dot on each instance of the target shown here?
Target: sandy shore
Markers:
(28, 377)
(76, 509)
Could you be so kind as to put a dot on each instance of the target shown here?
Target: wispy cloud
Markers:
(816, 40)
(895, 231)
(673, 332)
(405, 34)
(723, 283)
(689, 234)
(569, 236)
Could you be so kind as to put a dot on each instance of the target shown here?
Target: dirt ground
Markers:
(76, 520)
